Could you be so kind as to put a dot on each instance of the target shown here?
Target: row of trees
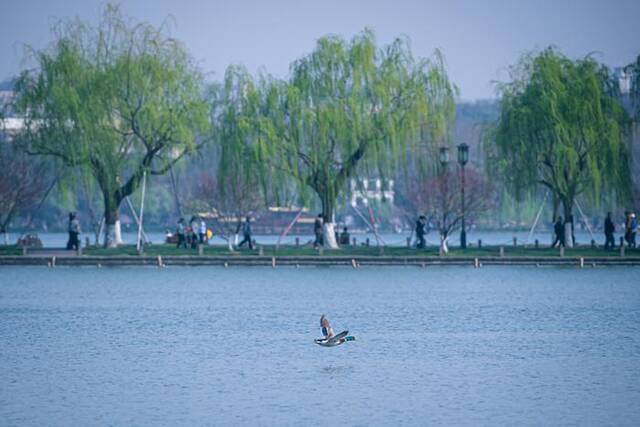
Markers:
(123, 99)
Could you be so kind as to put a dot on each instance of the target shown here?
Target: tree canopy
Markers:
(349, 106)
(561, 126)
(117, 100)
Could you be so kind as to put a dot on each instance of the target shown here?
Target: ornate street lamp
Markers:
(463, 158)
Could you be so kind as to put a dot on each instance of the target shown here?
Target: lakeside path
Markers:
(168, 255)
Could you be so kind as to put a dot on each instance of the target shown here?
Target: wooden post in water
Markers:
(476, 263)
(581, 262)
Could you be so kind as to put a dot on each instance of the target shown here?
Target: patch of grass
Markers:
(9, 250)
(290, 250)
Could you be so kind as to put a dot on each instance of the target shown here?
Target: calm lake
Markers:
(215, 346)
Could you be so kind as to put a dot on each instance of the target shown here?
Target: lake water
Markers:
(215, 346)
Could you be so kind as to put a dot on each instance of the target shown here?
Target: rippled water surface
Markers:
(192, 346)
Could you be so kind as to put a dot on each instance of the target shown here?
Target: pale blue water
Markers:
(214, 346)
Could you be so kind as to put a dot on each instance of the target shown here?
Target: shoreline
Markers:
(318, 261)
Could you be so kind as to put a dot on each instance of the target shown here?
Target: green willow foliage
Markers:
(562, 126)
(115, 100)
(347, 105)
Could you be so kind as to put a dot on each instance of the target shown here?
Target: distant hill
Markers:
(472, 118)
(7, 85)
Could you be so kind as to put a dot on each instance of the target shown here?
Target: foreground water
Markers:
(447, 346)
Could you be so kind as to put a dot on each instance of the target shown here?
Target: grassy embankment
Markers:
(289, 250)
(270, 250)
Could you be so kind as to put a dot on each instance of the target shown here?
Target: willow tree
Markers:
(234, 193)
(562, 126)
(350, 107)
(116, 100)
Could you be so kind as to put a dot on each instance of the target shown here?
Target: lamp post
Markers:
(463, 158)
(444, 157)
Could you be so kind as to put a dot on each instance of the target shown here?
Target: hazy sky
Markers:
(479, 38)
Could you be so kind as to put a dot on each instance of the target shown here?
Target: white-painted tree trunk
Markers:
(113, 235)
(444, 244)
(230, 243)
(118, 233)
(568, 241)
(330, 235)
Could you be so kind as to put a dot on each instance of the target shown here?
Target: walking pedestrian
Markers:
(558, 229)
(609, 229)
(246, 233)
(634, 230)
(180, 230)
(420, 231)
(194, 225)
(627, 227)
(75, 232)
(202, 231)
(69, 230)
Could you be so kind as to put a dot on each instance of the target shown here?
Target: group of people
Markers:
(196, 232)
(193, 233)
(630, 230)
(343, 238)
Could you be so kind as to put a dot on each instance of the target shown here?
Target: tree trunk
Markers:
(328, 229)
(568, 222)
(444, 242)
(112, 231)
(554, 213)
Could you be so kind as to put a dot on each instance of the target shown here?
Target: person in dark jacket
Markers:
(69, 240)
(344, 237)
(246, 233)
(558, 229)
(609, 229)
(180, 231)
(420, 231)
(74, 232)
